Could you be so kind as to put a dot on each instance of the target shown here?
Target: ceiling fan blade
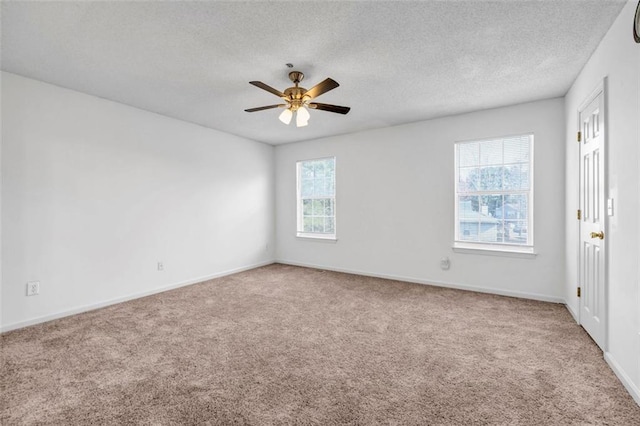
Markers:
(322, 87)
(331, 108)
(265, 107)
(268, 88)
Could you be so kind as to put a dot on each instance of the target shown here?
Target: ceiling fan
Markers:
(297, 98)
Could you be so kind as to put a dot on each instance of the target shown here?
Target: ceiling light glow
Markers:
(286, 116)
(302, 117)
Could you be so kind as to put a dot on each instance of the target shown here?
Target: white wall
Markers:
(1, 273)
(618, 59)
(95, 193)
(395, 203)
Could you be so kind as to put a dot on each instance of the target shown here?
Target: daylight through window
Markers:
(494, 197)
(316, 198)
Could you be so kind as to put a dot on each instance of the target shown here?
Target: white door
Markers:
(592, 225)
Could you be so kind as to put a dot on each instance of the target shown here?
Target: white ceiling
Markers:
(396, 62)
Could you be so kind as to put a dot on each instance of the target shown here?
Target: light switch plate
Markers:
(610, 206)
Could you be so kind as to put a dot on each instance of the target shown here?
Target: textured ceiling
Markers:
(396, 62)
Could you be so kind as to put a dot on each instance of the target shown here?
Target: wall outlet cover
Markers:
(445, 263)
(33, 288)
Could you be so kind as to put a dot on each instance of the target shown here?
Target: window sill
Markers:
(493, 250)
(317, 237)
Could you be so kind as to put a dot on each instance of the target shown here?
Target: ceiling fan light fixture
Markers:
(297, 99)
(286, 116)
(302, 117)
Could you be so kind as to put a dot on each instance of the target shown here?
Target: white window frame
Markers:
(497, 248)
(299, 203)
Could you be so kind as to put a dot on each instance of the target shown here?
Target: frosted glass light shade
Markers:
(302, 117)
(286, 116)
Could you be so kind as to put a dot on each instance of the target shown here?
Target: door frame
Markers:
(601, 87)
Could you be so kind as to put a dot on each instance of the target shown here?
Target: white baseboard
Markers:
(573, 312)
(92, 306)
(490, 290)
(623, 377)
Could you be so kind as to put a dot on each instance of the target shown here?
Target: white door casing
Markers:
(592, 250)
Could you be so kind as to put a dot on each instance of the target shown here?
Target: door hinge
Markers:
(579, 136)
(579, 292)
(579, 214)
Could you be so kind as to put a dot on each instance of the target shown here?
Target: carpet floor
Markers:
(289, 345)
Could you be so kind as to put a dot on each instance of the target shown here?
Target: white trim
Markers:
(600, 89)
(494, 250)
(594, 94)
(1, 74)
(434, 283)
(623, 377)
(492, 138)
(573, 313)
(299, 200)
(605, 215)
(329, 238)
(92, 306)
(530, 193)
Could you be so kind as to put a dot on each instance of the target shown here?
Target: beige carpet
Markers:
(289, 345)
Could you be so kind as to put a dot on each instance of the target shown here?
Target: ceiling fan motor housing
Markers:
(295, 96)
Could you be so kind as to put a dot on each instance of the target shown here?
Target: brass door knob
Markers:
(598, 235)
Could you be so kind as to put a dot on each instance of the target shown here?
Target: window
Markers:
(494, 197)
(317, 198)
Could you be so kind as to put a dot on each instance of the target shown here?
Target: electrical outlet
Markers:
(445, 264)
(33, 288)
(160, 266)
